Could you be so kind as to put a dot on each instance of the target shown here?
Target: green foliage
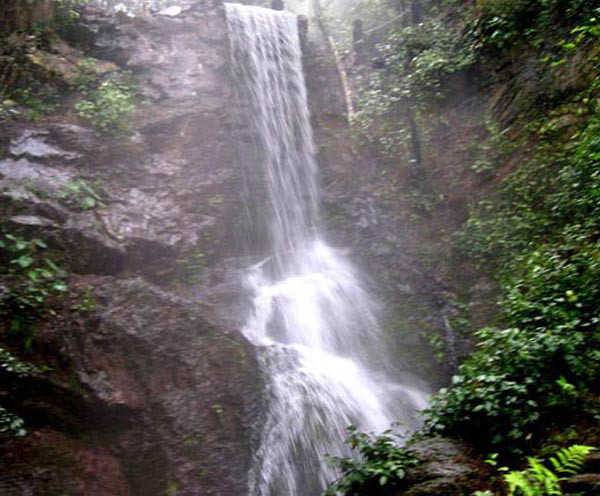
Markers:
(38, 101)
(541, 236)
(380, 467)
(539, 480)
(570, 461)
(501, 24)
(420, 58)
(33, 283)
(80, 195)
(109, 105)
(10, 424)
(87, 302)
(416, 61)
(12, 364)
(24, 85)
(67, 11)
(488, 153)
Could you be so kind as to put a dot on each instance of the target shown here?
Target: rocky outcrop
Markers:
(144, 394)
(446, 468)
(152, 390)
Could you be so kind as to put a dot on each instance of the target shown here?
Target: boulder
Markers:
(446, 468)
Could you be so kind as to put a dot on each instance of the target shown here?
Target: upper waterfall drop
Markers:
(312, 320)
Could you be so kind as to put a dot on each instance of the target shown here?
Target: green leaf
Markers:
(60, 286)
(24, 261)
(88, 203)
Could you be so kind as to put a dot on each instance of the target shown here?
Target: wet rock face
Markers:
(446, 467)
(149, 393)
(171, 189)
(163, 399)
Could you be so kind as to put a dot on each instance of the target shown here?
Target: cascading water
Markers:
(314, 324)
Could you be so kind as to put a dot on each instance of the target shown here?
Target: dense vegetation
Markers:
(535, 374)
(540, 234)
(543, 235)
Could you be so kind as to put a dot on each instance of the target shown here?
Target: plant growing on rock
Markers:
(79, 194)
(381, 466)
(499, 24)
(109, 105)
(11, 424)
(68, 10)
(415, 62)
(32, 283)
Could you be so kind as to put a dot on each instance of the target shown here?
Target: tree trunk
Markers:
(416, 11)
(24, 15)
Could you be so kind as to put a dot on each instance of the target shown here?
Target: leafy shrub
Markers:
(512, 383)
(380, 468)
(110, 105)
(11, 424)
(499, 23)
(13, 365)
(32, 282)
(424, 56)
(31, 286)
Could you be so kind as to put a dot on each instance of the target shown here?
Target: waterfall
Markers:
(311, 319)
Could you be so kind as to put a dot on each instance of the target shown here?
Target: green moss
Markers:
(191, 267)
(172, 489)
(194, 440)
(239, 350)
(216, 200)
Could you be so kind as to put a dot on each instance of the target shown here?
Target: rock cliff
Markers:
(150, 389)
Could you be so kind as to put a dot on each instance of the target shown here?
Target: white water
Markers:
(321, 350)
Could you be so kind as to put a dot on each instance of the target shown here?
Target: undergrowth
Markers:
(32, 282)
(379, 467)
(538, 372)
(541, 235)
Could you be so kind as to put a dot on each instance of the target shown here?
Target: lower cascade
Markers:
(322, 353)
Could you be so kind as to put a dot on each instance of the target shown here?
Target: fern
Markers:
(569, 461)
(539, 480)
